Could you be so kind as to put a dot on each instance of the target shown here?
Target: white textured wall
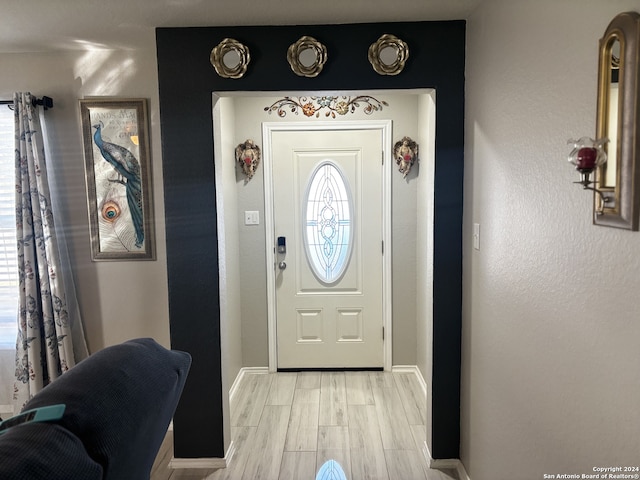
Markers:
(404, 112)
(424, 247)
(551, 362)
(228, 252)
(118, 300)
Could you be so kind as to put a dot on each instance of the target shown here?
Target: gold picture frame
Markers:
(117, 168)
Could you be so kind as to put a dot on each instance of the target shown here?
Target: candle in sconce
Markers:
(586, 158)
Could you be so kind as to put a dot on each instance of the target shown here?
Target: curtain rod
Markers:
(46, 102)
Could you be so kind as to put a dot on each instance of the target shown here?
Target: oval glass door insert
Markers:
(329, 225)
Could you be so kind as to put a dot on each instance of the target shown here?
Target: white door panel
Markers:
(330, 315)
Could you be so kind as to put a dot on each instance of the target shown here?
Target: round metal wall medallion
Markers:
(230, 58)
(307, 57)
(388, 55)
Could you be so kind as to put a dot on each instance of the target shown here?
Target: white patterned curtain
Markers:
(45, 344)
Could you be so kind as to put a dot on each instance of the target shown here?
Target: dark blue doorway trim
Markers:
(186, 81)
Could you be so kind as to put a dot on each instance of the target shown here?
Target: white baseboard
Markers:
(230, 453)
(241, 373)
(411, 369)
(444, 463)
(208, 463)
(447, 463)
(462, 473)
(198, 463)
(204, 463)
(214, 462)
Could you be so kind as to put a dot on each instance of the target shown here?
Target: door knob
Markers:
(282, 265)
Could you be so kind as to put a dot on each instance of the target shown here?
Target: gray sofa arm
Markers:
(119, 402)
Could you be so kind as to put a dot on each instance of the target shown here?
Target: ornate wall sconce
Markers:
(405, 152)
(248, 157)
(588, 155)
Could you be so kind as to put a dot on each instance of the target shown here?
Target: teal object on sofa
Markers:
(119, 402)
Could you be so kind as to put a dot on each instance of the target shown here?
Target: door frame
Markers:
(385, 127)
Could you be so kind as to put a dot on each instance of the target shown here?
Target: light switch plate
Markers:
(251, 217)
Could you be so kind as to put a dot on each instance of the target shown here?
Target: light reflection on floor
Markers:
(331, 470)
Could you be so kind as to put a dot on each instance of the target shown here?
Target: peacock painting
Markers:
(122, 186)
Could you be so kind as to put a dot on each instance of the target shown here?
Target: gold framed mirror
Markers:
(307, 56)
(230, 58)
(617, 119)
(388, 55)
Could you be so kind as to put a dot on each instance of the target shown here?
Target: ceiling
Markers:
(50, 25)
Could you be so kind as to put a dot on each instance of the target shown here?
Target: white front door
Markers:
(328, 222)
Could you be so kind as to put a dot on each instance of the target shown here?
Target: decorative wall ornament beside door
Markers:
(312, 106)
(405, 152)
(248, 157)
(117, 167)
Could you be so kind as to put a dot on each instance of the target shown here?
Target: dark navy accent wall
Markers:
(186, 81)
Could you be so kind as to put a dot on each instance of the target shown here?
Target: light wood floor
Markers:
(286, 426)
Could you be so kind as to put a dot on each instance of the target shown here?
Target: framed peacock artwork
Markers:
(117, 167)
